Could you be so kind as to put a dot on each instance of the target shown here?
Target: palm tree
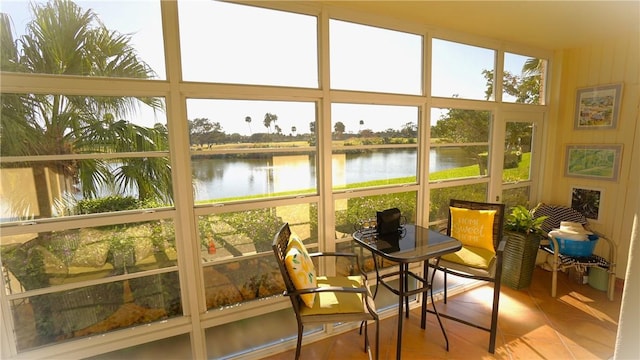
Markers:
(527, 88)
(248, 121)
(535, 69)
(63, 39)
(268, 119)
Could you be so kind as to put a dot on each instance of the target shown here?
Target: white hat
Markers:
(573, 228)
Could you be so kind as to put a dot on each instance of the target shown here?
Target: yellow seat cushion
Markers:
(336, 302)
(472, 256)
(473, 227)
(300, 268)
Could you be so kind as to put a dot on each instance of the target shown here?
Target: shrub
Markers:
(107, 204)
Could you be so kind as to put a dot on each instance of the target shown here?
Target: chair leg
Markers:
(494, 317)
(554, 279)
(366, 336)
(299, 342)
(611, 288)
(444, 279)
(406, 286)
(367, 345)
(435, 311)
(377, 352)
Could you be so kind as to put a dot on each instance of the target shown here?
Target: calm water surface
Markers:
(215, 179)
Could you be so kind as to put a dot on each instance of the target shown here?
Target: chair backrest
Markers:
(498, 220)
(556, 214)
(279, 246)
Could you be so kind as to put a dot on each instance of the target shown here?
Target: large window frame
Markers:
(197, 318)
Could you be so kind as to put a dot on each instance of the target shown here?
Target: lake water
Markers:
(216, 179)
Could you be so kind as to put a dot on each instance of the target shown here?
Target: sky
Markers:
(234, 43)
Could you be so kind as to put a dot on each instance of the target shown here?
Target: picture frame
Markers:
(587, 201)
(593, 161)
(598, 107)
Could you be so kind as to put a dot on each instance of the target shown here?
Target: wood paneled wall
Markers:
(611, 62)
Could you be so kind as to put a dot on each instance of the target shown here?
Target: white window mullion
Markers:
(190, 271)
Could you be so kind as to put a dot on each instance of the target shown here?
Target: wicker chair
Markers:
(337, 298)
(556, 214)
(492, 274)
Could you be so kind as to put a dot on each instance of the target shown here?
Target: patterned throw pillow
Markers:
(301, 269)
(473, 227)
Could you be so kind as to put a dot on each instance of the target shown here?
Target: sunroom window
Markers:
(461, 71)
(133, 49)
(237, 44)
(459, 146)
(247, 150)
(368, 58)
(374, 145)
(524, 79)
(87, 212)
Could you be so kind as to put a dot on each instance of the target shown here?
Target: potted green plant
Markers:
(521, 220)
(523, 240)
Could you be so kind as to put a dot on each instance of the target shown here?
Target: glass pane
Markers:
(89, 311)
(244, 337)
(118, 39)
(40, 190)
(364, 139)
(251, 149)
(459, 143)
(68, 129)
(462, 71)
(57, 124)
(236, 234)
(373, 168)
(349, 211)
(516, 196)
(524, 79)
(246, 124)
(517, 152)
(369, 58)
(174, 347)
(244, 280)
(35, 261)
(247, 236)
(223, 178)
(239, 44)
(439, 198)
(346, 267)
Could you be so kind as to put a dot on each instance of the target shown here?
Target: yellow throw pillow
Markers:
(301, 269)
(294, 241)
(473, 227)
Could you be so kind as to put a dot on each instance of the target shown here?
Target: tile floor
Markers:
(580, 323)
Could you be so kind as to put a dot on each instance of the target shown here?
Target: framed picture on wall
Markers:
(587, 201)
(593, 161)
(598, 107)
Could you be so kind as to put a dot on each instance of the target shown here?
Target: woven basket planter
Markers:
(519, 259)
